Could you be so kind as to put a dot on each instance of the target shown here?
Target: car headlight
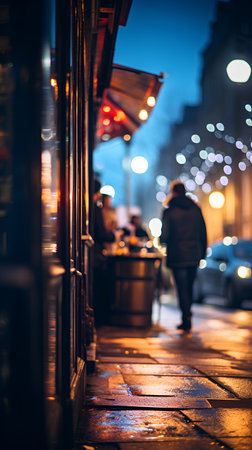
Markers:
(244, 272)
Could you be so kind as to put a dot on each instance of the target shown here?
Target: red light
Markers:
(106, 109)
(106, 122)
(100, 132)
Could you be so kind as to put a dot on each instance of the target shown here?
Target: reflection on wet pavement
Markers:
(161, 389)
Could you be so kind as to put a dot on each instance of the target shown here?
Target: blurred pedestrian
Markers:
(139, 230)
(100, 279)
(109, 213)
(184, 233)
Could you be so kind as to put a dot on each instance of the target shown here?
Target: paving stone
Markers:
(174, 444)
(125, 426)
(125, 359)
(240, 355)
(144, 402)
(187, 359)
(157, 369)
(176, 386)
(231, 403)
(240, 386)
(115, 381)
(215, 371)
(242, 443)
(106, 369)
(223, 422)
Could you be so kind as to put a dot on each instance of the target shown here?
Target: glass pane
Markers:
(50, 194)
(6, 89)
(49, 157)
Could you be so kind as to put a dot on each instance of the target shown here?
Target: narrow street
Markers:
(162, 389)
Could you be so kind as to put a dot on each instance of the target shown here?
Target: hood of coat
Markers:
(182, 202)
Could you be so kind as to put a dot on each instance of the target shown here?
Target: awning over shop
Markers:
(130, 91)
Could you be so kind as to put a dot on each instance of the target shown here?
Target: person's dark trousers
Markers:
(184, 278)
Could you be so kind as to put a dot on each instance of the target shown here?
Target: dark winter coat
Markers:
(183, 232)
(101, 236)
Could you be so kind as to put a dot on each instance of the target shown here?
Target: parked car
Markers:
(226, 272)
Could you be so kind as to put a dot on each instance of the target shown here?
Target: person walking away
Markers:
(185, 236)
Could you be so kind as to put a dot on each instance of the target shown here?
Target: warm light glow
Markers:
(227, 240)
(106, 122)
(106, 109)
(108, 190)
(143, 114)
(238, 71)
(53, 82)
(244, 272)
(120, 116)
(127, 137)
(216, 199)
(139, 164)
(155, 226)
(151, 101)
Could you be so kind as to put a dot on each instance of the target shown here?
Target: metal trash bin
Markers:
(132, 282)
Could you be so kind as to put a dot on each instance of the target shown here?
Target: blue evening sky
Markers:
(168, 36)
(160, 36)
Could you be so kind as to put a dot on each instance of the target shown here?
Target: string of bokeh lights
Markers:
(200, 166)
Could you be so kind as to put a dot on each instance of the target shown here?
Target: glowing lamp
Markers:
(53, 82)
(151, 101)
(106, 122)
(238, 71)
(127, 137)
(143, 114)
(244, 272)
(216, 199)
(106, 109)
(108, 190)
(139, 164)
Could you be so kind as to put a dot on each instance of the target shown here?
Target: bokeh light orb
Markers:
(238, 71)
(139, 164)
(108, 190)
(151, 101)
(180, 158)
(143, 114)
(216, 199)
(155, 226)
(195, 138)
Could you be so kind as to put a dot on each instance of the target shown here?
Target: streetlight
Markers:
(238, 70)
(139, 164)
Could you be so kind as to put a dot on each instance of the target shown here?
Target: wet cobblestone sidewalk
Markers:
(163, 389)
